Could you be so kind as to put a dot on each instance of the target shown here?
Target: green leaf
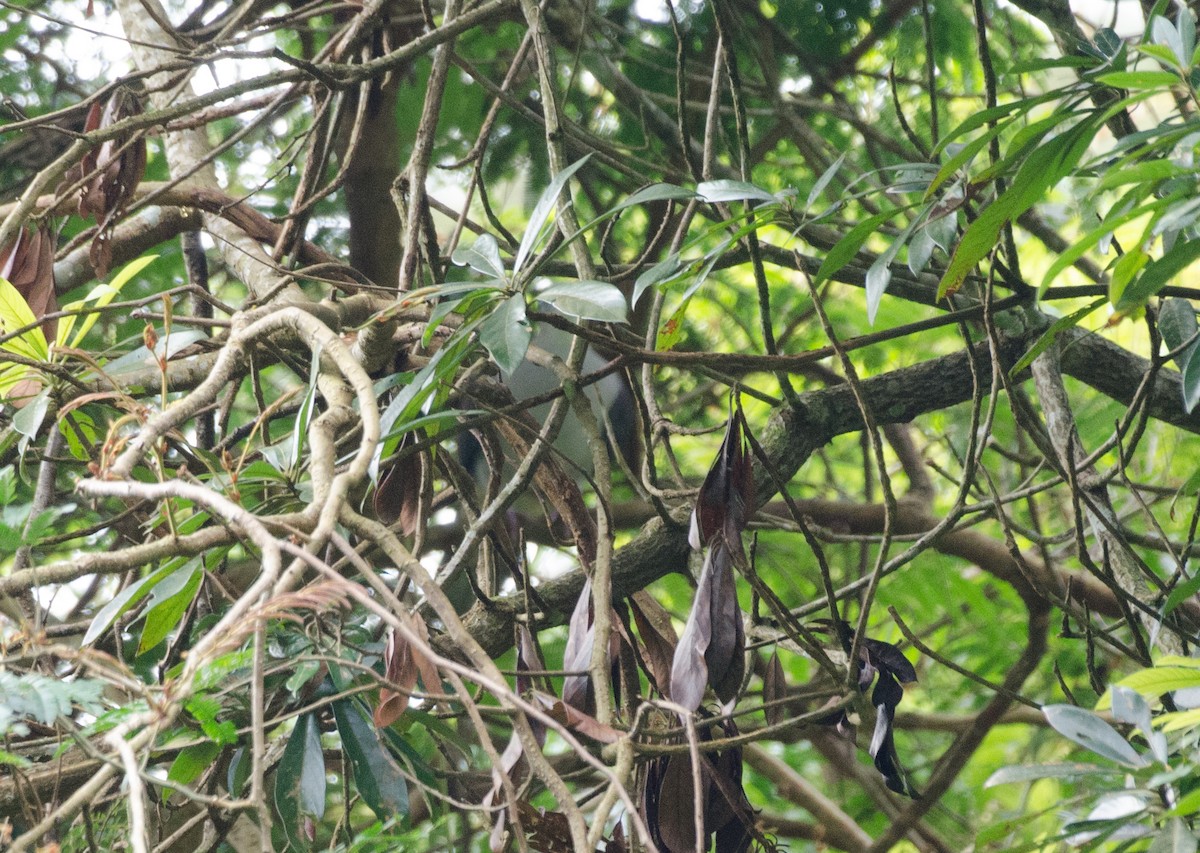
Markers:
(823, 181)
(1158, 274)
(376, 774)
(1184, 591)
(1046, 165)
(1162, 679)
(126, 599)
(845, 249)
(1175, 837)
(483, 256)
(300, 783)
(1032, 772)
(305, 412)
(541, 213)
(99, 296)
(587, 300)
(1050, 335)
(44, 699)
(192, 761)
(168, 602)
(1091, 731)
(1177, 322)
(1138, 79)
(506, 333)
(729, 190)
(1151, 171)
(654, 192)
(664, 270)
(1114, 220)
(16, 314)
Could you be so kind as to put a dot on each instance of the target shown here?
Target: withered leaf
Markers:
(658, 638)
(578, 721)
(711, 650)
(727, 496)
(577, 656)
(774, 691)
(403, 663)
(668, 804)
(548, 832)
(28, 265)
(398, 495)
(111, 172)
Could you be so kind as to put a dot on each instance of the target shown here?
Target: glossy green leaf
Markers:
(377, 776)
(300, 783)
(1050, 335)
(541, 213)
(1091, 731)
(506, 333)
(587, 300)
(98, 298)
(663, 271)
(1177, 323)
(1162, 679)
(483, 256)
(1080, 246)
(1138, 79)
(730, 190)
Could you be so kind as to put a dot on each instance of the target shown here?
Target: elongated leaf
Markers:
(823, 181)
(1158, 274)
(1138, 79)
(98, 298)
(1114, 220)
(168, 602)
(1033, 772)
(126, 599)
(1090, 730)
(506, 333)
(845, 249)
(1177, 322)
(729, 190)
(728, 493)
(587, 300)
(663, 271)
(541, 213)
(377, 776)
(1043, 168)
(577, 655)
(16, 314)
(1162, 679)
(1050, 335)
(300, 783)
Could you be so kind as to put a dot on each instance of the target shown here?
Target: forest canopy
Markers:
(599, 426)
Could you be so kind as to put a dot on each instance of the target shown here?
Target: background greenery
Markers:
(940, 255)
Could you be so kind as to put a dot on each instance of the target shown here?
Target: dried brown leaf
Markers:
(658, 638)
(28, 265)
(398, 495)
(727, 496)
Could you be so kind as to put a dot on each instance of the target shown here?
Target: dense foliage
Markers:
(598, 426)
